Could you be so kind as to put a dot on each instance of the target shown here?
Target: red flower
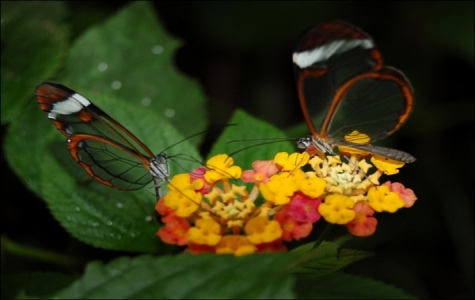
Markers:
(302, 208)
(363, 224)
(197, 248)
(174, 231)
(199, 173)
(292, 229)
(275, 246)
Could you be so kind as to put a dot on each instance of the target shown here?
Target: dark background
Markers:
(241, 54)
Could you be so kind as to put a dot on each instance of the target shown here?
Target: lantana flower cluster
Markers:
(211, 209)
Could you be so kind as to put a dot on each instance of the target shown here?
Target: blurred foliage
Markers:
(19, 20)
(240, 53)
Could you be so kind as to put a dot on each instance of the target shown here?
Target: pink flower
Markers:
(199, 173)
(263, 170)
(363, 224)
(407, 195)
(302, 208)
(292, 229)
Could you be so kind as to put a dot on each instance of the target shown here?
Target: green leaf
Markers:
(93, 213)
(130, 56)
(345, 286)
(185, 276)
(25, 141)
(39, 284)
(251, 131)
(34, 40)
(327, 258)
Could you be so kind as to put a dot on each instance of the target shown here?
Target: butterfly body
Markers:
(346, 92)
(327, 147)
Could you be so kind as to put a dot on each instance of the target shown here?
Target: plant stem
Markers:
(40, 254)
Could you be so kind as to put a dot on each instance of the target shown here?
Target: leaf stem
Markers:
(40, 254)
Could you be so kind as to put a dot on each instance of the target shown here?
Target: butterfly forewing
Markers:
(326, 57)
(104, 148)
(72, 113)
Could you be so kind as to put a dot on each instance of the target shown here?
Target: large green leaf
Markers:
(325, 259)
(24, 143)
(34, 41)
(185, 276)
(91, 212)
(131, 57)
(40, 284)
(251, 131)
(339, 285)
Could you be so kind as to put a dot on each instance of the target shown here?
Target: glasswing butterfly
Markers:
(108, 152)
(347, 96)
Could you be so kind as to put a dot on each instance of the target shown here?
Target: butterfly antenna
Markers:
(256, 145)
(203, 206)
(296, 164)
(197, 134)
(186, 157)
(183, 157)
(262, 139)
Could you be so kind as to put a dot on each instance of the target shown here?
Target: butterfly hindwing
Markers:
(109, 162)
(375, 103)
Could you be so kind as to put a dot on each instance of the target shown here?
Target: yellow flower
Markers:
(337, 209)
(260, 230)
(182, 181)
(292, 161)
(235, 244)
(232, 220)
(235, 209)
(213, 195)
(382, 199)
(220, 167)
(313, 186)
(315, 162)
(184, 203)
(279, 189)
(206, 232)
